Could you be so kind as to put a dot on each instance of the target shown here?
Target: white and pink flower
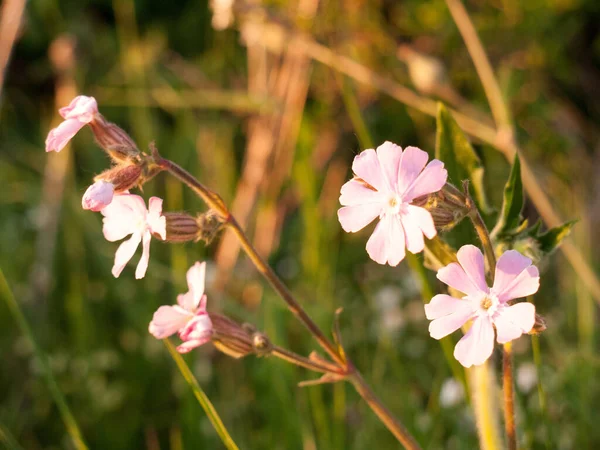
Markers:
(389, 179)
(489, 308)
(189, 317)
(127, 215)
(79, 113)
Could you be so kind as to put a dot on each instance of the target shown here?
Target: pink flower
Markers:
(488, 307)
(189, 317)
(389, 180)
(80, 112)
(98, 196)
(127, 215)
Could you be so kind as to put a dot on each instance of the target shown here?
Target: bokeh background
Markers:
(246, 107)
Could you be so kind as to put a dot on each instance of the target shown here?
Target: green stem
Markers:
(8, 439)
(63, 408)
(206, 404)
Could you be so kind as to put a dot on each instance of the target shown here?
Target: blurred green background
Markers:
(274, 132)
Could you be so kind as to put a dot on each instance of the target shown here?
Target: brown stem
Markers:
(484, 236)
(382, 412)
(509, 397)
(301, 361)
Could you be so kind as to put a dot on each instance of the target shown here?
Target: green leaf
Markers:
(454, 149)
(551, 239)
(510, 216)
(438, 254)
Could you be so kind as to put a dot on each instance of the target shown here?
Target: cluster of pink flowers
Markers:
(386, 185)
(386, 182)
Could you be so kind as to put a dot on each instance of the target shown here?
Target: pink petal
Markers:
(168, 320)
(366, 166)
(197, 328)
(156, 221)
(122, 216)
(188, 346)
(513, 321)
(386, 245)
(355, 218)
(390, 155)
(477, 345)
(142, 266)
(413, 161)
(125, 253)
(444, 325)
(195, 280)
(98, 196)
(417, 221)
(356, 193)
(454, 276)
(508, 267)
(432, 179)
(443, 305)
(471, 260)
(60, 136)
(81, 108)
(525, 283)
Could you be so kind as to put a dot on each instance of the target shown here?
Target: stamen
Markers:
(486, 303)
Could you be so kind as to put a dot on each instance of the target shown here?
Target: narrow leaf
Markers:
(454, 149)
(438, 254)
(552, 238)
(510, 216)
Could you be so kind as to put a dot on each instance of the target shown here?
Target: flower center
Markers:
(489, 304)
(394, 204)
(486, 303)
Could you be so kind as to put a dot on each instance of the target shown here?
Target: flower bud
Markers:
(98, 196)
(447, 207)
(230, 337)
(123, 176)
(113, 139)
(182, 227)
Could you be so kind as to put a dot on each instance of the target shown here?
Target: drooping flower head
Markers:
(81, 111)
(386, 182)
(189, 317)
(127, 215)
(489, 308)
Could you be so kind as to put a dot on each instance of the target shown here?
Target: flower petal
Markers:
(513, 321)
(471, 260)
(508, 267)
(140, 270)
(60, 136)
(123, 216)
(454, 276)
(442, 305)
(356, 193)
(526, 283)
(366, 166)
(387, 243)
(168, 320)
(449, 323)
(98, 196)
(477, 345)
(417, 222)
(413, 161)
(195, 280)
(390, 155)
(355, 218)
(198, 331)
(432, 179)
(82, 108)
(125, 253)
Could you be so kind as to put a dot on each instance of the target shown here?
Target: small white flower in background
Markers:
(526, 377)
(222, 14)
(451, 393)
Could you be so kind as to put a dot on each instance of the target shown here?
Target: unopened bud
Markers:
(539, 325)
(230, 337)
(113, 139)
(123, 176)
(182, 227)
(447, 207)
(98, 196)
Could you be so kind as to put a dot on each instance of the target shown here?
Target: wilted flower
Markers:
(488, 307)
(98, 196)
(386, 183)
(81, 111)
(189, 317)
(127, 214)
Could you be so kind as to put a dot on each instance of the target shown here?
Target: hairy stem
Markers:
(298, 360)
